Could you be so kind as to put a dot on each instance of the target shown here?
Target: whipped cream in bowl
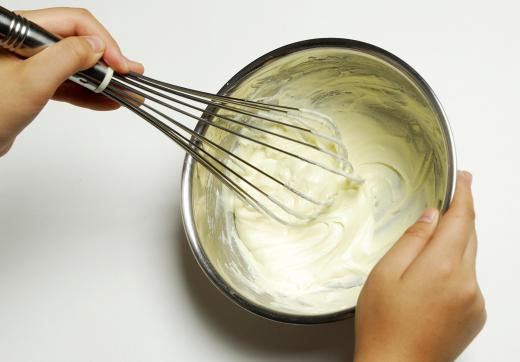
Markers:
(400, 159)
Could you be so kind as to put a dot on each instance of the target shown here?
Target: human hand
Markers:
(27, 85)
(422, 301)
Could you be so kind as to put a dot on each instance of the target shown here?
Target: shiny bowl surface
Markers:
(203, 235)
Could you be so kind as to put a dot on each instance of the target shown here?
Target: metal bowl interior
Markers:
(204, 225)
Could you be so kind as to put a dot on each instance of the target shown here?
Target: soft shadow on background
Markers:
(258, 336)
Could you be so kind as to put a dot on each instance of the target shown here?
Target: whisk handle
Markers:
(25, 38)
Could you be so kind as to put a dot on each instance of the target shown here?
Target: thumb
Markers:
(48, 69)
(413, 241)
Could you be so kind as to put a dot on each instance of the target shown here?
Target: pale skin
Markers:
(27, 85)
(421, 302)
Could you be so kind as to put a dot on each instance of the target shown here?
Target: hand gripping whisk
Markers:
(303, 136)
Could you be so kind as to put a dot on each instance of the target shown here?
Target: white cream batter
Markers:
(319, 267)
(311, 173)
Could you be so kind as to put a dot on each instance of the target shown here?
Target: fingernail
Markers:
(469, 177)
(465, 175)
(428, 215)
(97, 44)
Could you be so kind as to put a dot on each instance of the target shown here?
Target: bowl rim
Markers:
(189, 163)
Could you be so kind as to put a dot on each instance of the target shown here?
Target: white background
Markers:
(94, 264)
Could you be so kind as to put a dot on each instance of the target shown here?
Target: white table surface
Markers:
(94, 264)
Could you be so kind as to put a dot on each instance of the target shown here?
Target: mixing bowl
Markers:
(403, 98)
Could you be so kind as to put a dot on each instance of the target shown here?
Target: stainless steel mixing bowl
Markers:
(200, 191)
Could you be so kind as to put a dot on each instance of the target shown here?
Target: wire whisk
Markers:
(291, 133)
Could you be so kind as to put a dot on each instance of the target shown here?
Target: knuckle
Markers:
(478, 299)
(84, 12)
(416, 231)
(483, 315)
(470, 294)
(465, 214)
(478, 311)
(480, 306)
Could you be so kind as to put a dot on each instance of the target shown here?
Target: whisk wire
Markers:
(238, 134)
(217, 115)
(226, 99)
(218, 147)
(221, 103)
(190, 146)
(243, 119)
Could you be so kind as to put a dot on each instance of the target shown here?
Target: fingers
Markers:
(77, 95)
(410, 245)
(463, 199)
(80, 22)
(457, 226)
(48, 69)
(135, 66)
